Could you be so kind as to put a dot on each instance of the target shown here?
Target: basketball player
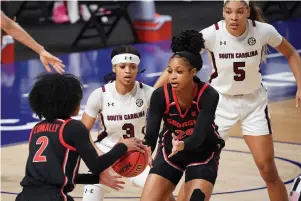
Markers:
(237, 46)
(189, 141)
(18, 33)
(57, 143)
(295, 194)
(122, 106)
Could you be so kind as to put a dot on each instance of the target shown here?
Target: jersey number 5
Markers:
(38, 157)
(129, 130)
(240, 74)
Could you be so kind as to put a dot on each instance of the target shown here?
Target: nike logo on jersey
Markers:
(170, 114)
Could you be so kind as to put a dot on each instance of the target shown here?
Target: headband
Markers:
(247, 1)
(193, 59)
(125, 58)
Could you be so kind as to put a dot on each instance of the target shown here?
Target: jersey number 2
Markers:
(129, 130)
(38, 157)
(240, 74)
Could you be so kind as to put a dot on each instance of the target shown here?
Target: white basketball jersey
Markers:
(236, 60)
(124, 116)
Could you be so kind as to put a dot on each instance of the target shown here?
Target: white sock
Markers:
(140, 180)
(93, 193)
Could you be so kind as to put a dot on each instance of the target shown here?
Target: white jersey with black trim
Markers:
(122, 115)
(236, 60)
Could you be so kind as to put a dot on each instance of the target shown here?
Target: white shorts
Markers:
(250, 110)
(137, 181)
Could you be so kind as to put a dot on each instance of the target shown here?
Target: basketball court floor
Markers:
(238, 180)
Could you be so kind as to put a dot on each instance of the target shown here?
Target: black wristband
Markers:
(87, 179)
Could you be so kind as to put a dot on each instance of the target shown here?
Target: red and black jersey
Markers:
(195, 126)
(55, 150)
(51, 161)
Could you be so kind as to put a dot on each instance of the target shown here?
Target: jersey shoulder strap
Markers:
(167, 100)
(203, 88)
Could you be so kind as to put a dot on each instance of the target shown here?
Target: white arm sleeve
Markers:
(269, 35)
(209, 35)
(148, 91)
(94, 103)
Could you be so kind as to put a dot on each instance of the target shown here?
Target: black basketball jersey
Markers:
(51, 163)
(182, 123)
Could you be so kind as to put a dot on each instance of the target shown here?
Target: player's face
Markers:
(180, 73)
(236, 14)
(126, 73)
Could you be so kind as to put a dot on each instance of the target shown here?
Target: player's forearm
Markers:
(163, 79)
(152, 129)
(19, 34)
(294, 62)
(97, 164)
(199, 133)
(204, 121)
(99, 152)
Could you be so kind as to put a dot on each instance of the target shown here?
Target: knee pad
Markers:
(93, 193)
(197, 195)
(140, 180)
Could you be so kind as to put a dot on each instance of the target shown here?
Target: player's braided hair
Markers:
(189, 40)
(55, 96)
(188, 45)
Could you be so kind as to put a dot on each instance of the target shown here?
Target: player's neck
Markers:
(238, 32)
(123, 89)
(185, 95)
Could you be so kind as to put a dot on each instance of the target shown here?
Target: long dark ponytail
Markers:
(257, 14)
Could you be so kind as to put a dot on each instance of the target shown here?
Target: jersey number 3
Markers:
(38, 157)
(129, 130)
(240, 74)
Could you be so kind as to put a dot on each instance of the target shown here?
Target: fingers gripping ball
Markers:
(131, 164)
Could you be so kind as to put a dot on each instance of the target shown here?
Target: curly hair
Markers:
(55, 96)
(190, 41)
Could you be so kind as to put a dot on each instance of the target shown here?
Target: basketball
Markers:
(131, 164)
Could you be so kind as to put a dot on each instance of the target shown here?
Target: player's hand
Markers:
(47, 58)
(112, 181)
(298, 97)
(134, 144)
(177, 146)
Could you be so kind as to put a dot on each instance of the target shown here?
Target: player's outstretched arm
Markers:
(154, 117)
(77, 135)
(92, 108)
(163, 79)
(18, 33)
(207, 104)
(294, 62)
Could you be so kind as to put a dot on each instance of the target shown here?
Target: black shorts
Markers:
(42, 194)
(194, 167)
